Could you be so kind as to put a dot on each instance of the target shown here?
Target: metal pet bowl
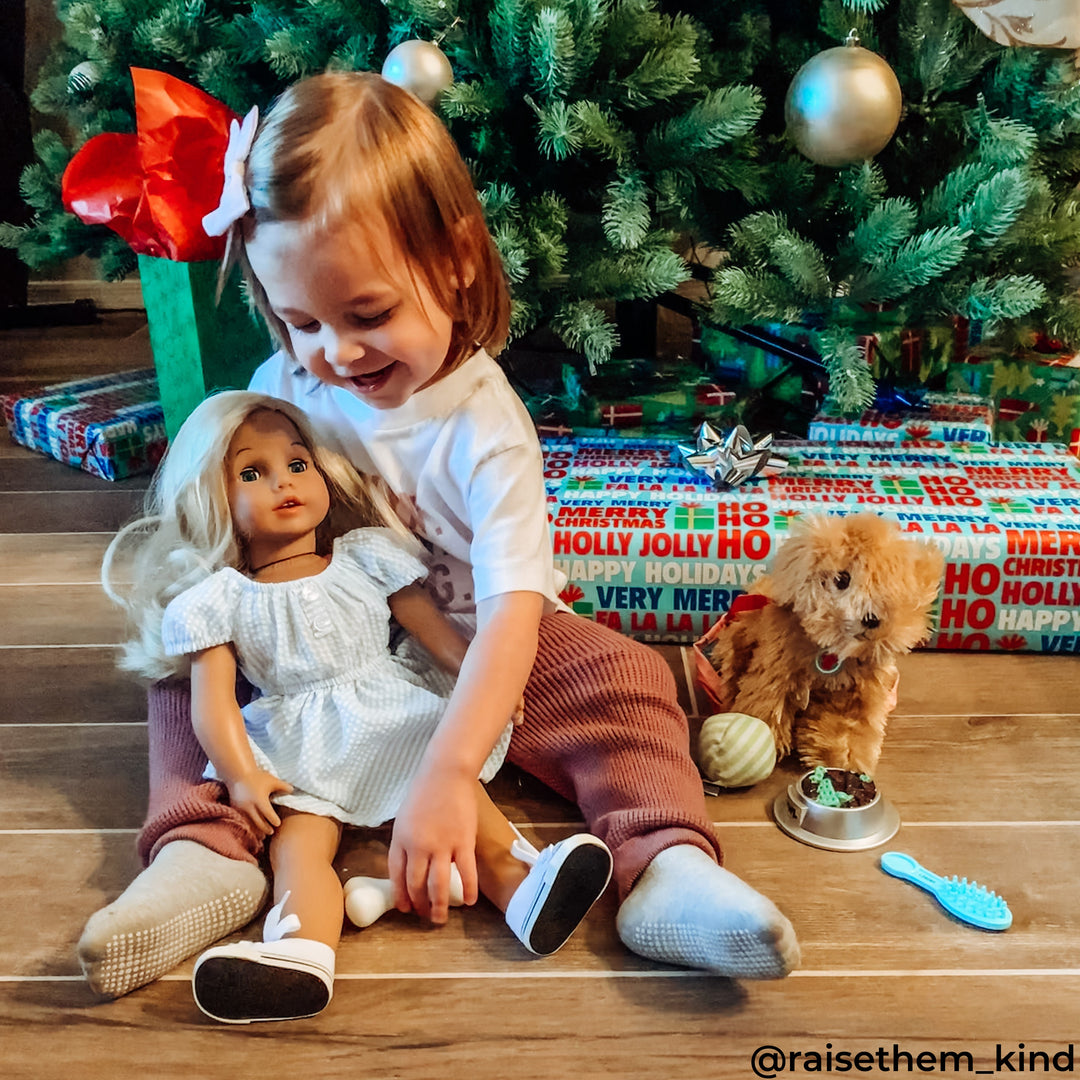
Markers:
(837, 828)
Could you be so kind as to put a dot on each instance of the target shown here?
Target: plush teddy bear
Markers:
(811, 649)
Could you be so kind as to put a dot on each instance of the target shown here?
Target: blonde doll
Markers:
(291, 572)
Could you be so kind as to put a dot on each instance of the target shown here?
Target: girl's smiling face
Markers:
(355, 316)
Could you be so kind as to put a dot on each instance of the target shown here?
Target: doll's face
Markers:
(276, 494)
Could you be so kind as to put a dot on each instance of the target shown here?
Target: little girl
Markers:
(364, 245)
(303, 608)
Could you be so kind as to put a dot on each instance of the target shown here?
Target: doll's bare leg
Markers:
(544, 894)
(499, 870)
(291, 973)
(302, 855)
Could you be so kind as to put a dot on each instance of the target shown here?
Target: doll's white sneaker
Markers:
(279, 978)
(250, 981)
(564, 882)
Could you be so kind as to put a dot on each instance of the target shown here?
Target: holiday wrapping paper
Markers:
(111, 426)
(650, 549)
(1036, 397)
(961, 419)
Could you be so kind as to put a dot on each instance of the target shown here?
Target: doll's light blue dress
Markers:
(339, 717)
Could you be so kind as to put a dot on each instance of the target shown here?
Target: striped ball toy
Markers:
(736, 750)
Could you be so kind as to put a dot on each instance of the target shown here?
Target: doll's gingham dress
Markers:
(340, 718)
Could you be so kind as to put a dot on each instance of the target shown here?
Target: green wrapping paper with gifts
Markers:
(1036, 396)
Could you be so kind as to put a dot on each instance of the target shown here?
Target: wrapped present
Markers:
(112, 426)
(893, 350)
(650, 548)
(959, 407)
(667, 397)
(1036, 395)
(757, 365)
(711, 396)
(907, 426)
(201, 342)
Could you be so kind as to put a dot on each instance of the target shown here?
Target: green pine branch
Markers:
(602, 131)
(720, 117)
(1009, 297)
(558, 134)
(743, 296)
(586, 329)
(851, 383)
(553, 53)
(626, 215)
(994, 206)
(881, 232)
(916, 262)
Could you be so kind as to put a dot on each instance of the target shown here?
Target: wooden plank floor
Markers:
(982, 761)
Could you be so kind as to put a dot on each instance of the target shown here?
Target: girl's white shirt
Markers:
(464, 460)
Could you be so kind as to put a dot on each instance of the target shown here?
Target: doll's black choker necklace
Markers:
(288, 558)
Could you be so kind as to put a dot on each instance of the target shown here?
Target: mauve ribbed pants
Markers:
(602, 728)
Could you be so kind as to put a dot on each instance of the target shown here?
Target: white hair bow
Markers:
(234, 202)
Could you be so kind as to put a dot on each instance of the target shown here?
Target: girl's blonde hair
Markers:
(349, 149)
(186, 531)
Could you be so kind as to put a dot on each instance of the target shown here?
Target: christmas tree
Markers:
(591, 127)
(613, 140)
(970, 211)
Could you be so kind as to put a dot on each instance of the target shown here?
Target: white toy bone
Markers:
(368, 898)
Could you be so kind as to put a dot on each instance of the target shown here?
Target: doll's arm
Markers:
(219, 727)
(418, 614)
(436, 824)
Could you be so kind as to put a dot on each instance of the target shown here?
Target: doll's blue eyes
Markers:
(250, 474)
(842, 580)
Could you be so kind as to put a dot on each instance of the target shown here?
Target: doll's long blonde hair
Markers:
(186, 530)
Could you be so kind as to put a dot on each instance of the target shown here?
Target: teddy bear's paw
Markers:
(687, 910)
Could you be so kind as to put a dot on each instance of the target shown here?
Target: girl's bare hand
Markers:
(436, 826)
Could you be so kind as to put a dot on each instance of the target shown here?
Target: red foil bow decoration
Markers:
(153, 187)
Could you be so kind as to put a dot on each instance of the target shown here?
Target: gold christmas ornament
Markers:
(419, 66)
(1050, 24)
(843, 105)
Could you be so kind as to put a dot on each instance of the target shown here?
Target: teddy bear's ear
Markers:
(811, 538)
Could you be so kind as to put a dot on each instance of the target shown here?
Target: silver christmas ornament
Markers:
(843, 105)
(83, 78)
(419, 66)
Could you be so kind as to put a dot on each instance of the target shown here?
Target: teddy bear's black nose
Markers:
(871, 622)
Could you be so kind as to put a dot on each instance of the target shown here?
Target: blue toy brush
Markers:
(967, 900)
